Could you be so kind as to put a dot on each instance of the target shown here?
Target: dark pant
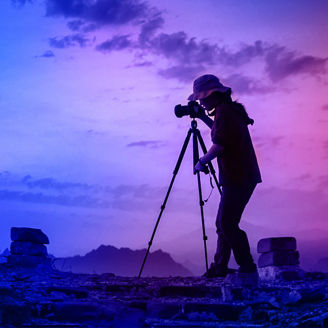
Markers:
(230, 236)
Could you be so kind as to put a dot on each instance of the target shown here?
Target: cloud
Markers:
(99, 12)
(281, 63)
(50, 183)
(186, 56)
(69, 41)
(8, 179)
(268, 141)
(20, 2)
(118, 42)
(182, 73)
(48, 54)
(322, 183)
(75, 25)
(149, 28)
(246, 85)
(135, 191)
(148, 143)
(14, 188)
(141, 64)
(64, 200)
(184, 50)
(303, 177)
(244, 55)
(325, 144)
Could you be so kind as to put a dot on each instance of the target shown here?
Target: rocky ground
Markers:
(45, 297)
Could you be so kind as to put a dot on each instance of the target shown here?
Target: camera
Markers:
(193, 109)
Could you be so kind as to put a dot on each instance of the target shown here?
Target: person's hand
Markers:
(199, 167)
(199, 111)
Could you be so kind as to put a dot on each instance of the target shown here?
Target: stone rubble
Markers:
(35, 297)
(38, 295)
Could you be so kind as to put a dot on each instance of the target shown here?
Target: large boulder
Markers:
(278, 258)
(28, 248)
(29, 234)
(276, 244)
(28, 261)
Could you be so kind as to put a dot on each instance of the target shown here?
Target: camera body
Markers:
(193, 109)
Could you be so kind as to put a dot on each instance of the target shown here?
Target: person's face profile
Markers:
(208, 102)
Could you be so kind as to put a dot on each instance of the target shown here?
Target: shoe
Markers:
(215, 271)
(249, 268)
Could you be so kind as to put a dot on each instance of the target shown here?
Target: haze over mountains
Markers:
(122, 262)
(184, 256)
(189, 249)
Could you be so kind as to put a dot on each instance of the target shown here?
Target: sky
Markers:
(89, 138)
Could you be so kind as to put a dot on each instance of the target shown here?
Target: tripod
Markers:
(196, 138)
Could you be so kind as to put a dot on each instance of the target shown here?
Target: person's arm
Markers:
(207, 120)
(215, 151)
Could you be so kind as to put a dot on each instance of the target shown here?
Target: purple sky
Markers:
(89, 138)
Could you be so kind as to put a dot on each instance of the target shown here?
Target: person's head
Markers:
(215, 98)
(210, 91)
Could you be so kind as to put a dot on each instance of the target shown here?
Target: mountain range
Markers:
(122, 262)
(184, 256)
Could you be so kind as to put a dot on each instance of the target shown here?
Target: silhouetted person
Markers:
(238, 170)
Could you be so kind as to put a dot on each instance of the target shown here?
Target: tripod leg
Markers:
(201, 202)
(210, 165)
(176, 169)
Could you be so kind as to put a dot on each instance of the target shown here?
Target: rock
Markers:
(309, 295)
(7, 291)
(316, 321)
(221, 311)
(15, 313)
(278, 258)
(28, 234)
(274, 302)
(276, 243)
(163, 310)
(187, 291)
(292, 298)
(286, 272)
(27, 248)
(243, 279)
(75, 311)
(315, 275)
(231, 292)
(76, 292)
(203, 316)
(28, 260)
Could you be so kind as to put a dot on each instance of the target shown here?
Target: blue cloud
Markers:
(187, 57)
(20, 2)
(148, 143)
(118, 42)
(50, 183)
(69, 41)
(184, 73)
(101, 12)
(64, 200)
(48, 54)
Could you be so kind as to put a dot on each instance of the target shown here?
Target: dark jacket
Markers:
(237, 163)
